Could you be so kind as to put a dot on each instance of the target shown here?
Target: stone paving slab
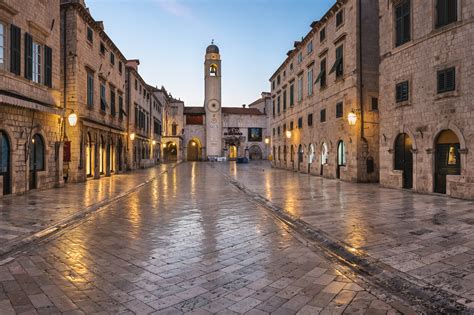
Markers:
(427, 237)
(24, 218)
(182, 244)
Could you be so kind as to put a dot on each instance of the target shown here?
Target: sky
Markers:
(170, 37)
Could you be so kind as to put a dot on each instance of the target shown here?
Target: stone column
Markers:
(96, 161)
(59, 147)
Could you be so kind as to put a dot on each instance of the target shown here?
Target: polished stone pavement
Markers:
(187, 242)
(428, 237)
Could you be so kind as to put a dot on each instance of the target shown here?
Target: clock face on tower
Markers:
(213, 106)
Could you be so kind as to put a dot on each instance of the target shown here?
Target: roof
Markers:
(194, 111)
(241, 111)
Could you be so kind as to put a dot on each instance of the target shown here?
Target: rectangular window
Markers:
(339, 18)
(322, 34)
(273, 103)
(120, 106)
(102, 48)
(447, 80)
(375, 104)
(300, 88)
(120, 66)
(291, 126)
(90, 89)
(402, 92)
(322, 74)
(15, 49)
(310, 82)
(136, 84)
(300, 57)
(112, 102)
(284, 128)
(255, 134)
(273, 84)
(90, 35)
(446, 12)
(278, 80)
(322, 115)
(103, 102)
(278, 129)
(402, 23)
(339, 110)
(274, 132)
(309, 48)
(112, 58)
(278, 104)
(48, 66)
(292, 94)
(2, 46)
(310, 120)
(300, 122)
(284, 100)
(340, 63)
(28, 57)
(36, 62)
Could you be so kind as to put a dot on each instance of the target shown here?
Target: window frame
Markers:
(37, 62)
(446, 87)
(300, 88)
(322, 115)
(3, 45)
(400, 95)
(310, 78)
(402, 36)
(442, 24)
(90, 89)
(341, 14)
(322, 34)
(339, 110)
(89, 34)
(310, 120)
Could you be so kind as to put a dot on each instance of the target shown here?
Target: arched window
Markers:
(324, 154)
(341, 153)
(37, 153)
(213, 70)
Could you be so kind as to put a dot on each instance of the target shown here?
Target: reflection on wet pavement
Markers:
(426, 236)
(188, 242)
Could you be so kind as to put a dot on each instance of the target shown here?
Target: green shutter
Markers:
(15, 49)
(28, 56)
(48, 66)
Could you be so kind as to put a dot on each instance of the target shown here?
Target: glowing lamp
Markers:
(193, 144)
(132, 136)
(267, 140)
(153, 142)
(288, 134)
(352, 118)
(72, 119)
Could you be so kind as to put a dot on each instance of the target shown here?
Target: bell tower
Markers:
(212, 101)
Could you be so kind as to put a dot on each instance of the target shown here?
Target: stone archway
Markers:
(447, 159)
(5, 162)
(194, 150)
(255, 152)
(170, 152)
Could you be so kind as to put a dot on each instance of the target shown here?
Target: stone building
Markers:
(30, 112)
(94, 89)
(213, 131)
(144, 113)
(427, 108)
(329, 75)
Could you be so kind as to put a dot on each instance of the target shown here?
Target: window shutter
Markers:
(450, 79)
(48, 66)
(441, 81)
(15, 49)
(452, 11)
(28, 56)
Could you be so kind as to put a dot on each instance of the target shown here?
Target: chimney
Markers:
(133, 63)
(243, 105)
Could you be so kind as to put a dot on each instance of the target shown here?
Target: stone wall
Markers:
(427, 112)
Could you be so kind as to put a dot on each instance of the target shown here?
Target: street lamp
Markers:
(164, 145)
(288, 134)
(153, 142)
(352, 118)
(267, 140)
(72, 119)
(132, 136)
(193, 144)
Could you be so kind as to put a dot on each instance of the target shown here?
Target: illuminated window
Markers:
(213, 70)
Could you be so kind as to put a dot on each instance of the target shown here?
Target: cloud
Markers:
(174, 7)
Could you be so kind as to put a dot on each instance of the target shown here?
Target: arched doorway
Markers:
(324, 157)
(89, 156)
(255, 153)
(300, 156)
(36, 160)
(194, 150)
(233, 152)
(310, 157)
(119, 154)
(171, 152)
(341, 157)
(5, 167)
(404, 159)
(447, 160)
(112, 156)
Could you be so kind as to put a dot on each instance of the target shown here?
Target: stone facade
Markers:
(426, 116)
(187, 129)
(30, 113)
(331, 72)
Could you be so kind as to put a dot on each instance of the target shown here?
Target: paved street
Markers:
(187, 242)
(428, 239)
